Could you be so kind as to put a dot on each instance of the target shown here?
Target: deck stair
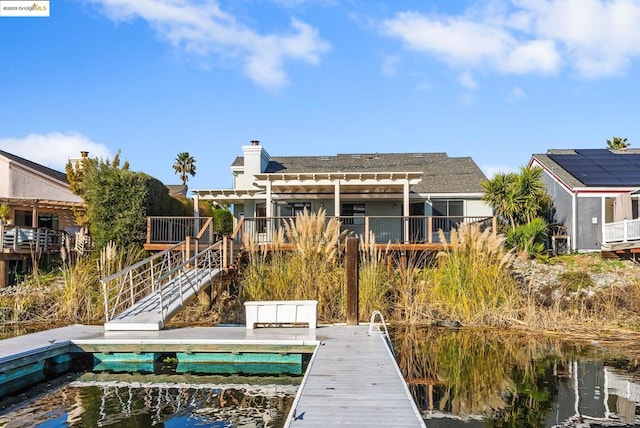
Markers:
(145, 295)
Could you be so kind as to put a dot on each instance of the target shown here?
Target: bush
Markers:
(528, 239)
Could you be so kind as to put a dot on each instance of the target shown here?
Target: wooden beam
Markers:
(351, 263)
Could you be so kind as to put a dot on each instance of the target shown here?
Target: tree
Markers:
(521, 199)
(518, 197)
(117, 200)
(222, 221)
(185, 165)
(617, 143)
(4, 213)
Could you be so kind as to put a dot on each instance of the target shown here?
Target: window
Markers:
(357, 211)
(261, 221)
(295, 208)
(24, 218)
(448, 208)
(50, 221)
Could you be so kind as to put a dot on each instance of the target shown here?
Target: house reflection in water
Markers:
(580, 394)
(598, 394)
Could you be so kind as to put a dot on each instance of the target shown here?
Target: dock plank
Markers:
(353, 380)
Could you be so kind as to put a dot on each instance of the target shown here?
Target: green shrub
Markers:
(528, 238)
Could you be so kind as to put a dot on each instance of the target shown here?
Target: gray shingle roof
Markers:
(57, 175)
(441, 173)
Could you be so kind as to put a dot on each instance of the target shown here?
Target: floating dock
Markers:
(351, 380)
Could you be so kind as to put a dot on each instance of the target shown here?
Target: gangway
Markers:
(145, 295)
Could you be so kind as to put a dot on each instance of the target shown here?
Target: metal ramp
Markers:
(145, 295)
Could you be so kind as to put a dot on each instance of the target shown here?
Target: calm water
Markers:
(136, 400)
(485, 379)
(162, 394)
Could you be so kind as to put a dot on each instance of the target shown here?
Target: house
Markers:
(40, 209)
(595, 195)
(396, 190)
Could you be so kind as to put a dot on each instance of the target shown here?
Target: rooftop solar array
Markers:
(601, 167)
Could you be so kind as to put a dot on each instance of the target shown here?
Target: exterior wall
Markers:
(477, 208)
(562, 201)
(27, 185)
(5, 181)
(256, 160)
(589, 236)
(383, 208)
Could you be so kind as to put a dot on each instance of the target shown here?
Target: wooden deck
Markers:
(352, 379)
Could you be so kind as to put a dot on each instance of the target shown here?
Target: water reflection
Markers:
(144, 403)
(489, 378)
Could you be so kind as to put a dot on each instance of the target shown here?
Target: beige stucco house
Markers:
(40, 206)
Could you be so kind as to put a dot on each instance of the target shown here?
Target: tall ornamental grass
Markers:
(472, 282)
(377, 275)
(312, 271)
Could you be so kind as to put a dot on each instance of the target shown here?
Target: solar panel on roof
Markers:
(601, 167)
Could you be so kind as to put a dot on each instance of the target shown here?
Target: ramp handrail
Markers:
(208, 260)
(125, 288)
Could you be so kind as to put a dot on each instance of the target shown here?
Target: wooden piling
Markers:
(3, 273)
(351, 262)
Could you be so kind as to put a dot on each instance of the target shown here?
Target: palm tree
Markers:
(617, 143)
(498, 192)
(185, 165)
(517, 197)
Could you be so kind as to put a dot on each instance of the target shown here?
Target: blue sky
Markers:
(496, 80)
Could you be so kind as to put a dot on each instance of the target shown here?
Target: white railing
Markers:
(17, 238)
(160, 273)
(171, 230)
(387, 229)
(621, 231)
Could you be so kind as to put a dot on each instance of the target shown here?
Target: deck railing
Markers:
(386, 229)
(15, 238)
(154, 274)
(621, 231)
(171, 230)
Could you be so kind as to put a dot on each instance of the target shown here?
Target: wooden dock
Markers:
(352, 378)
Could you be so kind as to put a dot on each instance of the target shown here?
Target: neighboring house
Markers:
(177, 190)
(38, 197)
(594, 193)
(358, 188)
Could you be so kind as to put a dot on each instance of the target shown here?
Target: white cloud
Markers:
(516, 93)
(467, 80)
(389, 66)
(203, 29)
(53, 149)
(596, 38)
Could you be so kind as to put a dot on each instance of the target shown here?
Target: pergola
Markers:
(318, 185)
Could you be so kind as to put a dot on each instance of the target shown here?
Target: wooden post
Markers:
(225, 252)
(3, 273)
(351, 262)
(187, 249)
